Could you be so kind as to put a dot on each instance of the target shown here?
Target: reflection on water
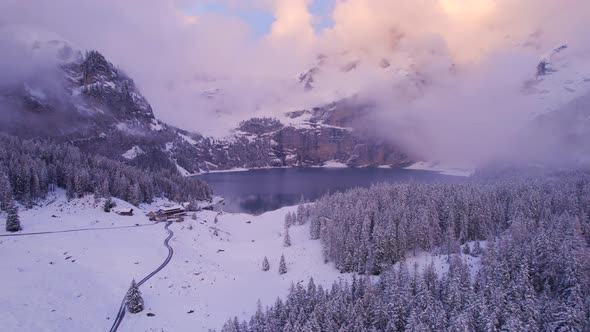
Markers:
(262, 190)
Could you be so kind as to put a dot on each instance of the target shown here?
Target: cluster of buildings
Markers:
(171, 213)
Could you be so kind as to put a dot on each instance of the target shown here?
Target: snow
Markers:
(566, 80)
(155, 125)
(421, 260)
(183, 171)
(122, 127)
(51, 291)
(334, 164)
(133, 153)
(546, 59)
(187, 139)
(90, 110)
(36, 93)
(441, 168)
(230, 170)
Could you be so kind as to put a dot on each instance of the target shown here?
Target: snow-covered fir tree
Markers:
(286, 238)
(477, 250)
(134, 299)
(108, 205)
(314, 228)
(12, 219)
(282, 265)
(301, 217)
(466, 250)
(288, 220)
(265, 264)
(5, 192)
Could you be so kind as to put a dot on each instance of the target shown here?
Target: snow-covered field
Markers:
(75, 281)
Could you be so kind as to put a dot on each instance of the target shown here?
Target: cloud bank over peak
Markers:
(437, 70)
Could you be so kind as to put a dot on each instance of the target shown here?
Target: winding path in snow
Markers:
(75, 230)
(123, 307)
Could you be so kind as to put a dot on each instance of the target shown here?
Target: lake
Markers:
(260, 190)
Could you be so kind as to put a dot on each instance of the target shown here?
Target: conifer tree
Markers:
(134, 299)
(288, 220)
(12, 219)
(103, 189)
(135, 194)
(282, 265)
(466, 250)
(477, 250)
(5, 193)
(70, 190)
(314, 228)
(301, 215)
(265, 264)
(286, 238)
(108, 205)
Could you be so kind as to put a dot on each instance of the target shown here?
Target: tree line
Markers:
(30, 169)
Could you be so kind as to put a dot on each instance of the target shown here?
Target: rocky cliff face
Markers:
(320, 135)
(85, 100)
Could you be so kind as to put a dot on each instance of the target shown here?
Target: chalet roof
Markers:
(172, 208)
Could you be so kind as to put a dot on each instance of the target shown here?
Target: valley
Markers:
(84, 274)
(294, 166)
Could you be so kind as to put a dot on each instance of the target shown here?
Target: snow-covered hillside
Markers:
(561, 78)
(74, 281)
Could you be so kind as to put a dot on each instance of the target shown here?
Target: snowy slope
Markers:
(51, 291)
(566, 77)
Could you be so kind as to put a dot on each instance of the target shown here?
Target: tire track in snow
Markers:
(123, 307)
(75, 230)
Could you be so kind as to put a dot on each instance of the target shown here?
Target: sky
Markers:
(260, 19)
(436, 71)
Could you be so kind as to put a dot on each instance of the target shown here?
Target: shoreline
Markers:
(417, 166)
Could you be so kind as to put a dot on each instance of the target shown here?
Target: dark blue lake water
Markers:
(258, 191)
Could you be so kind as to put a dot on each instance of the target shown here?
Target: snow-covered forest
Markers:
(365, 230)
(29, 169)
(534, 274)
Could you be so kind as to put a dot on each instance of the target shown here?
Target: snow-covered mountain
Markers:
(84, 99)
(560, 75)
(555, 89)
(91, 103)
